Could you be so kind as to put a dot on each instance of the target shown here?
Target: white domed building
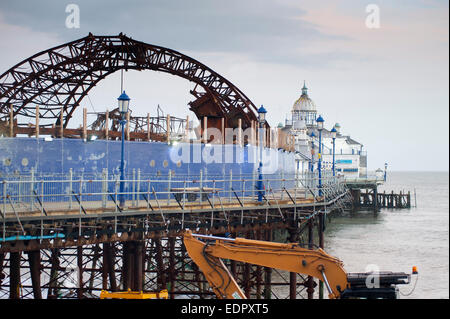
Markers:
(302, 121)
(305, 109)
(350, 159)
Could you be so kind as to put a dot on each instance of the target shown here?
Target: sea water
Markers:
(397, 239)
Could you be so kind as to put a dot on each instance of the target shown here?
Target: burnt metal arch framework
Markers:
(62, 76)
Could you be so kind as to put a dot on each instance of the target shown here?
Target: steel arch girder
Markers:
(63, 76)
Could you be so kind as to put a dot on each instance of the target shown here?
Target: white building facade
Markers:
(350, 159)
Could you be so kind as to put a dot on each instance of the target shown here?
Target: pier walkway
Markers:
(43, 208)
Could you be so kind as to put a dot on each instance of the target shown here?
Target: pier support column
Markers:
(375, 200)
(80, 291)
(172, 276)
(108, 264)
(14, 273)
(391, 200)
(356, 194)
(408, 200)
(138, 268)
(2, 258)
(34, 260)
(161, 271)
(127, 265)
(310, 281)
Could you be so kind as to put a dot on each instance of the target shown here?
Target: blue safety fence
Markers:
(80, 187)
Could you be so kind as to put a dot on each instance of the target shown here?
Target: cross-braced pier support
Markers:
(148, 262)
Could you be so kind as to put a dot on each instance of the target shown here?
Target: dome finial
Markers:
(304, 89)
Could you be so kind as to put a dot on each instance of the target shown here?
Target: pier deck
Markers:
(139, 246)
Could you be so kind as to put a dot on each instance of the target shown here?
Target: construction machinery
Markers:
(208, 251)
(163, 294)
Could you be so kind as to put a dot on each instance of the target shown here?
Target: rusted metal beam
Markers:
(64, 75)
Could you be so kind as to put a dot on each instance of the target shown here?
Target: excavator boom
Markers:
(209, 252)
(290, 257)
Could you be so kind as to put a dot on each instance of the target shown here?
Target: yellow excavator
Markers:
(208, 251)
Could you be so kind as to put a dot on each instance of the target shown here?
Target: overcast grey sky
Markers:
(387, 86)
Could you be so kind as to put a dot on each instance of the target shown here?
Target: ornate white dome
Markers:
(304, 103)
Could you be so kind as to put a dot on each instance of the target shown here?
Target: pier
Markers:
(46, 237)
(366, 196)
(72, 226)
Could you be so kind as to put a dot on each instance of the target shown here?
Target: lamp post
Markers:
(385, 171)
(312, 135)
(261, 119)
(333, 136)
(320, 121)
(123, 102)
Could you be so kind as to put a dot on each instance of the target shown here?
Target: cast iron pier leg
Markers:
(34, 259)
(14, 280)
(138, 266)
(310, 281)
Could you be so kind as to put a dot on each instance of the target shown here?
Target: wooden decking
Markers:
(66, 209)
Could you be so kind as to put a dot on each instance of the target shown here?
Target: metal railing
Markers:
(58, 192)
(36, 198)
